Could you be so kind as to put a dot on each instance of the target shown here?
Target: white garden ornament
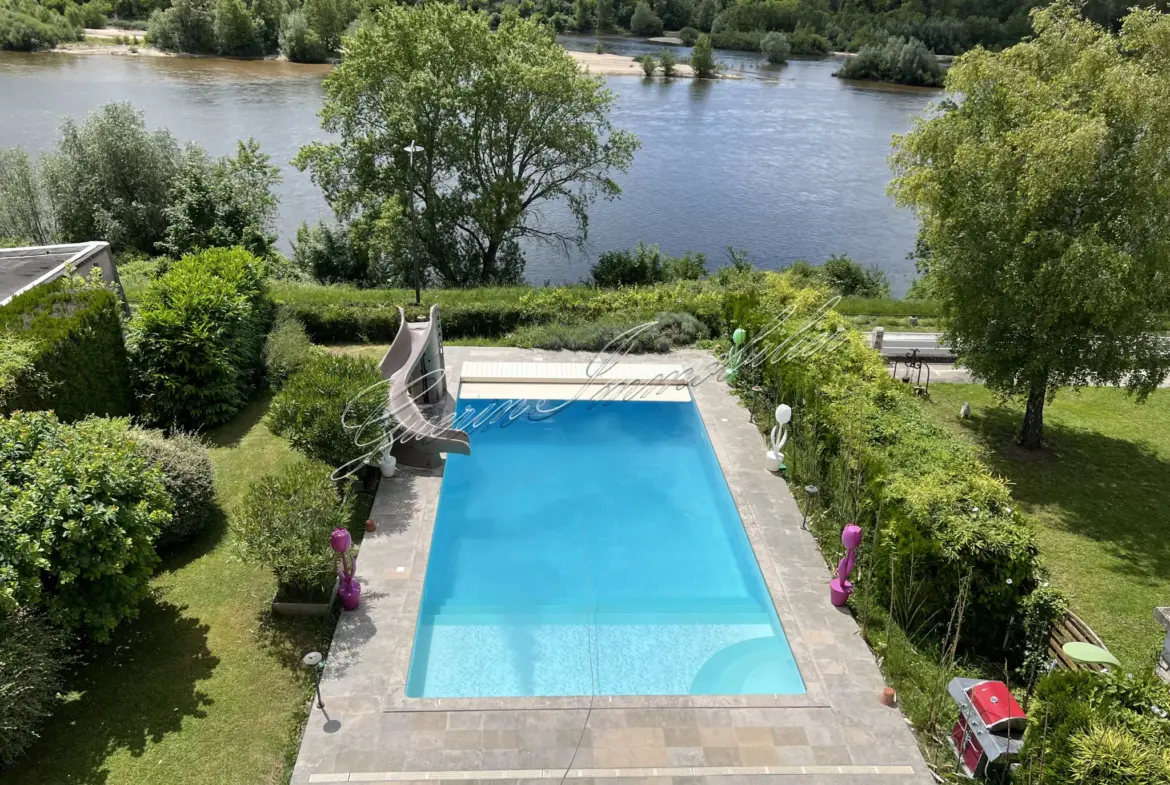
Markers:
(774, 457)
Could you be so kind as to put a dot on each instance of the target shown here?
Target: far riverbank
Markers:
(102, 41)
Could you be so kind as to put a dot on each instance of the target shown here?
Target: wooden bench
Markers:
(1072, 628)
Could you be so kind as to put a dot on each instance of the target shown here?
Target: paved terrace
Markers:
(836, 734)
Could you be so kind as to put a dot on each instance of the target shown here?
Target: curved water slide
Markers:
(414, 366)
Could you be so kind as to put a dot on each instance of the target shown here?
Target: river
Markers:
(788, 163)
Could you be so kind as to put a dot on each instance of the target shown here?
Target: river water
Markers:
(788, 163)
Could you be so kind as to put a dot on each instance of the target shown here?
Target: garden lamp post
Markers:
(811, 491)
(316, 662)
(411, 149)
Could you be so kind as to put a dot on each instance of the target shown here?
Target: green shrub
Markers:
(298, 42)
(347, 323)
(110, 178)
(327, 254)
(78, 358)
(703, 57)
(665, 330)
(330, 407)
(775, 48)
(648, 64)
(32, 661)
(284, 523)
(741, 41)
(85, 15)
(26, 27)
(681, 329)
(223, 202)
(26, 216)
(803, 41)
(688, 35)
(666, 58)
(17, 367)
(848, 278)
(187, 26)
(866, 443)
(196, 339)
(189, 478)
(83, 510)
(286, 349)
(1104, 729)
(592, 337)
(897, 60)
(646, 265)
(235, 31)
(645, 22)
(623, 268)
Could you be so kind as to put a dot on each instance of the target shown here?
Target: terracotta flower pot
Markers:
(370, 525)
(888, 698)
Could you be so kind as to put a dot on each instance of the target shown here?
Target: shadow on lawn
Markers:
(134, 690)
(233, 432)
(182, 555)
(1111, 490)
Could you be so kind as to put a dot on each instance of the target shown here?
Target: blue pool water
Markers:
(596, 550)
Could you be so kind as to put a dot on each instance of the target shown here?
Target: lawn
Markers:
(204, 687)
(1099, 496)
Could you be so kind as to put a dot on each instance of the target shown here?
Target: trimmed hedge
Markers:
(341, 314)
(78, 358)
(196, 341)
(863, 439)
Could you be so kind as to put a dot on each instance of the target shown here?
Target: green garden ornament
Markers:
(735, 354)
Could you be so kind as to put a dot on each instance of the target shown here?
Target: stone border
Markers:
(559, 774)
(706, 399)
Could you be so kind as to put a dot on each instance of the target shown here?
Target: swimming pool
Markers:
(594, 551)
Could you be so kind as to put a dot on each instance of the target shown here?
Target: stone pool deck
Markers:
(835, 734)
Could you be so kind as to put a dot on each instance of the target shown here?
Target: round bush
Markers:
(189, 477)
(775, 48)
(83, 511)
(32, 658)
(284, 524)
(319, 402)
(688, 35)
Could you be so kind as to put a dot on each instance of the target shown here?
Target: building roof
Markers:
(23, 268)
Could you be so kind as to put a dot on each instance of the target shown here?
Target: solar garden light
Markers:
(775, 458)
(315, 661)
(812, 492)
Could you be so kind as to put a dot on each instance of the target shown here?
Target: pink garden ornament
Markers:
(840, 588)
(349, 590)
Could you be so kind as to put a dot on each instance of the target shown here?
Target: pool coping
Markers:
(369, 725)
(517, 373)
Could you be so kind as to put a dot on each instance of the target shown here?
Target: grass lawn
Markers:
(204, 687)
(1099, 496)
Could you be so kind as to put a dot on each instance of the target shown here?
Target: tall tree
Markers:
(604, 16)
(507, 123)
(1044, 198)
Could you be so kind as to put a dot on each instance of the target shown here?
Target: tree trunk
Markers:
(487, 273)
(1031, 433)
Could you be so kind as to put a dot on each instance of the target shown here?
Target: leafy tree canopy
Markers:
(1044, 199)
(507, 121)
